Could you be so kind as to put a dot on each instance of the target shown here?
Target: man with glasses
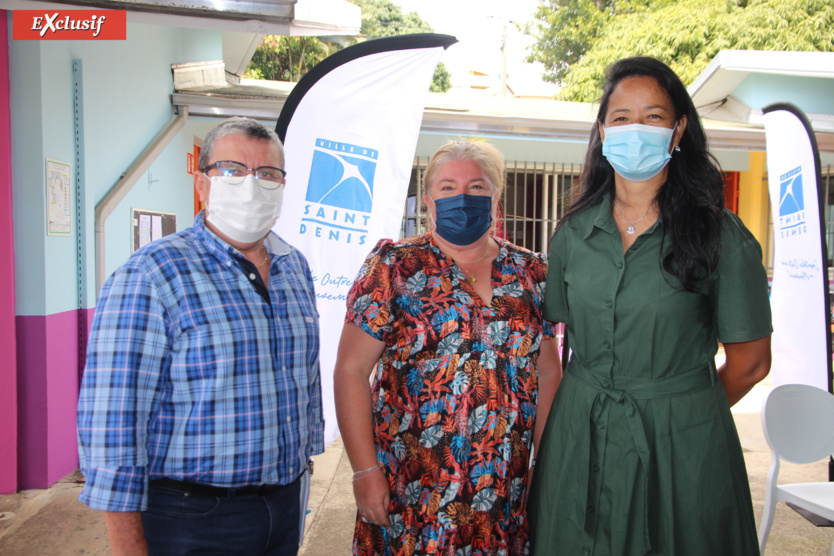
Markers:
(201, 399)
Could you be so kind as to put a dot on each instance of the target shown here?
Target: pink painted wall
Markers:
(8, 361)
(32, 453)
(47, 350)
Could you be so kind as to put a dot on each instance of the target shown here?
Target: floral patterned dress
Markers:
(454, 398)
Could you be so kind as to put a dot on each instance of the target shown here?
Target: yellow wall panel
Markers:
(753, 198)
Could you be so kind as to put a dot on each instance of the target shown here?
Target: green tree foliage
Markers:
(289, 58)
(286, 58)
(384, 18)
(566, 29)
(688, 34)
(442, 79)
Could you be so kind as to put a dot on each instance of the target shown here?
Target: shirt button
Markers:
(606, 384)
(283, 367)
(600, 425)
(591, 509)
(289, 418)
(586, 550)
(596, 467)
(252, 276)
(619, 264)
(609, 303)
(228, 263)
(291, 468)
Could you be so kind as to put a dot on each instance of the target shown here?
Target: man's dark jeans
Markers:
(178, 524)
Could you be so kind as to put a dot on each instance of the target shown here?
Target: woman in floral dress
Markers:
(452, 320)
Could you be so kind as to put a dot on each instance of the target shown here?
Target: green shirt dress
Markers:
(640, 454)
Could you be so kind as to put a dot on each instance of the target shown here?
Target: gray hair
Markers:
(245, 126)
(485, 155)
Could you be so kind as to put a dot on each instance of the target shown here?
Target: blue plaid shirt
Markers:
(192, 375)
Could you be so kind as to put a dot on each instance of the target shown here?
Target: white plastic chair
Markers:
(798, 423)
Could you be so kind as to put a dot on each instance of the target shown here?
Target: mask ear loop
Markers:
(676, 148)
(493, 213)
(428, 213)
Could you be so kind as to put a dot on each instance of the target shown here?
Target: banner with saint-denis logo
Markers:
(69, 25)
(799, 295)
(350, 129)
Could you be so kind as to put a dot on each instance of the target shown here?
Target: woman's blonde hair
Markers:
(485, 155)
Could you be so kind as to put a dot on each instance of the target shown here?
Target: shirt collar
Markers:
(603, 218)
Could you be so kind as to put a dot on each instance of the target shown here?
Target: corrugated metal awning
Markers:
(541, 119)
(274, 17)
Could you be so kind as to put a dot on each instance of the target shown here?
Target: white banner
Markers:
(349, 145)
(800, 277)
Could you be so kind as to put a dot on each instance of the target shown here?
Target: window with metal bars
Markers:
(827, 187)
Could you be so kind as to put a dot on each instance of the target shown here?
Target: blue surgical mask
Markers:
(637, 152)
(463, 219)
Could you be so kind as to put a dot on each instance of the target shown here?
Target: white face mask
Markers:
(245, 212)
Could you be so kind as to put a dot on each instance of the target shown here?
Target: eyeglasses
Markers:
(233, 173)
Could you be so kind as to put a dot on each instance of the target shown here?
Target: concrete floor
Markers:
(52, 521)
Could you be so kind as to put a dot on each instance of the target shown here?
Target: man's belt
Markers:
(218, 492)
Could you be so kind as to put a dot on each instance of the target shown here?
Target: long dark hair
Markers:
(691, 201)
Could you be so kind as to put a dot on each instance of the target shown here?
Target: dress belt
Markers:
(625, 390)
(215, 491)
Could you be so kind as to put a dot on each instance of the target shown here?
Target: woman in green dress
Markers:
(649, 272)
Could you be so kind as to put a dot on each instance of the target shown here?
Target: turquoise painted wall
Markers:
(813, 95)
(28, 187)
(126, 88)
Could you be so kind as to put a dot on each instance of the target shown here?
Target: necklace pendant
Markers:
(471, 279)
(630, 230)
